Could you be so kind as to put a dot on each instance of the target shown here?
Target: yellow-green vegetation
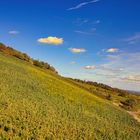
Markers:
(37, 104)
(125, 99)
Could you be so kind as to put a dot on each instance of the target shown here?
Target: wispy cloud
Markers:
(51, 40)
(92, 31)
(77, 50)
(83, 4)
(90, 67)
(133, 39)
(97, 21)
(104, 68)
(81, 21)
(106, 75)
(85, 21)
(110, 69)
(135, 78)
(72, 62)
(83, 32)
(13, 32)
(127, 62)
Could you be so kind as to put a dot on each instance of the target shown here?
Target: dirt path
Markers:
(116, 104)
(134, 114)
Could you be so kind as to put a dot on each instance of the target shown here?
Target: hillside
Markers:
(37, 103)
(127, 100)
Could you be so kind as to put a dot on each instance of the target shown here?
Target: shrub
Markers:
(128, 103)
(37, 63)
(108, 97)
(122, 94)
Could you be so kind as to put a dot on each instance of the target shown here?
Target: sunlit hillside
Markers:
(38, 104)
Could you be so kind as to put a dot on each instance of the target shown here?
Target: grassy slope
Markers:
(40, 105)
(103, 93)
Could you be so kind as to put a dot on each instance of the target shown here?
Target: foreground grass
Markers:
(37, 104)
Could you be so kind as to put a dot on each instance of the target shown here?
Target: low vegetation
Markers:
(128, 103)
(38, 104)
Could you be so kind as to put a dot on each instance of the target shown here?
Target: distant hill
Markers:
(134, 92)
(36, 103)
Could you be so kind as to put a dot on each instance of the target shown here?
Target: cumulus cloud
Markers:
(90, 67)
(13, 32)
(112, 50)
(51, 40)
(77, 50)
(83, 4)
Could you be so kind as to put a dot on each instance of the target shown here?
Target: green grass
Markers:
(37, 104)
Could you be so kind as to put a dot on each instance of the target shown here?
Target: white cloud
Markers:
(77, 50)
(82, 4)
(112, 50)
(51, 40)
(13, 32)
(90, 67)
(109, 51)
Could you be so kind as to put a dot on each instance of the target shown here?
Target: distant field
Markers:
(36, 104)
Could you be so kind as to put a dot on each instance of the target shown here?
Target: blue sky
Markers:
(95, 40)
